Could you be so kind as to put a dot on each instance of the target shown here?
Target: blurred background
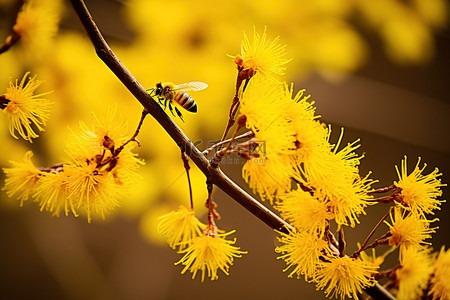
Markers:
(380, 69)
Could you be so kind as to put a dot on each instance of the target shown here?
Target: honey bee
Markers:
(169, 92)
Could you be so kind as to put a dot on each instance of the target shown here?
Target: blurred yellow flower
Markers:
(24, 108)
(440, 283)
(344, 277)
(21, 178)
(180, 227)
(419, 192)
(414, 272)
(37, 24)
(208, 254)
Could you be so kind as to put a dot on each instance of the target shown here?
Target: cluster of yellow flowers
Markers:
(295, 150)
(204, 248)
(102, 168)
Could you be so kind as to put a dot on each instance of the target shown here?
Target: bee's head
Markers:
(158, 89)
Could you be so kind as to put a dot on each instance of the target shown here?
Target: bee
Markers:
(169, 92)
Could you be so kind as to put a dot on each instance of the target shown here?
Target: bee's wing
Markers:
(191, 86)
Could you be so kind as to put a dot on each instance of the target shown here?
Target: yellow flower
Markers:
(348, 202)
(414, 272)
(261, 103)
(311, 136)
(304, 211)
(106, 132)
(344, 277)
(302, 251)
(408, 230)
(270, 173)
(262, 56)
(440, 285)
(419, 192)
(93, 189)
(37, 24)
(24, 108)
(209, 253)
(335, 177)
(51, 192)
(21, 178)
(180, 227)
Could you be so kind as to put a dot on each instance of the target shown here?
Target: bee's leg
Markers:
(165, 104)
(171, 110)
(179, 113)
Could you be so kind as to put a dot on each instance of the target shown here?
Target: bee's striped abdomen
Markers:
(186, 101)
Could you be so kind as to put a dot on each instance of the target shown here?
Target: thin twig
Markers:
(10, 41)
(133, 138)
(382, 190)
(234, 107)
(242, 136)
(341, 242)
(387, 199)
(185, 159)
(356, 254)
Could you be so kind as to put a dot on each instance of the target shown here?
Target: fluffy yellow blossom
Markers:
(344, 277)
(25, 108)
(37, 24)
(180, 227)
(349, 202)
(51, 193)
(440, 284)
(414, 272)
(107, 131)
(102, 168)
(94, 190)
(311, 136)
(408, 229)
(270, 173)
(302, 251)
(335, 177)
(304, 211)
(419, 192)
(262, 56)
(208, 254)
(261, 103)
(21, 178)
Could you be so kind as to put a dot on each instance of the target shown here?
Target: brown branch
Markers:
(10, 41)
(214, 175)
